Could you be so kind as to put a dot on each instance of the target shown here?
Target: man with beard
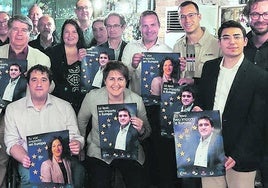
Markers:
(256, 51)
(47, 36)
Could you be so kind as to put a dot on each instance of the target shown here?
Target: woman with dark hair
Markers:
(66, 63)
(115, 76)
(168, 72)
(57, 169)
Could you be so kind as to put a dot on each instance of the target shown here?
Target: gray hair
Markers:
(22, 19)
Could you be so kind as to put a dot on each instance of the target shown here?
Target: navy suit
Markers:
(242, 118)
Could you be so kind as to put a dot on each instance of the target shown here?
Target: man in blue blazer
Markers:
(236, 88)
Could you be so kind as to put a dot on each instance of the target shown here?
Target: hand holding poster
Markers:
(198, 144)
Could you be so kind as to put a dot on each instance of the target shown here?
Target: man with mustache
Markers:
(256, 50)
(47, 36)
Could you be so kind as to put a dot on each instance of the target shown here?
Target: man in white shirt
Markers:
(98, 79)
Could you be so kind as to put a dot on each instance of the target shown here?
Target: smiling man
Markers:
(237, 88)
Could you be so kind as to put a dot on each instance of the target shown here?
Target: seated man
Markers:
(38, 112)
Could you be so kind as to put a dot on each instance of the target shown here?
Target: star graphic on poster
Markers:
(102, 132)
(108, 120)
(152, 67)
(115, 118)
(182, 153)
(165, 103)
(32, 164)
(46, 147)
(146, 72)
(194, 127)
(35, 172)
(171, 99)
(85, 76)
(39, 150)
(110, 144)
(145, 79)
(34, 156)
(179, 145)
(163, 110)
(188, 159)
(186, 130)
(146, 86)
(105, 140)
(104, 125)
(180, 136)
(164, 117)
(169, 123)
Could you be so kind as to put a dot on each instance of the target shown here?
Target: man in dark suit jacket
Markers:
(236, 88)
(213, 156)
(15, 77)
(115, 24)
(125, 135)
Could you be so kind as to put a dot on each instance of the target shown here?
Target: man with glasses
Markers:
(257, 52)
(115, 24)
(84, 11)
(237, 88)
(4, 17)
(196, 45)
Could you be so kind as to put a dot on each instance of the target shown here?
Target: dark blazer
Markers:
(123, 45)
(20, 88)
(242, 118)
(131, 139)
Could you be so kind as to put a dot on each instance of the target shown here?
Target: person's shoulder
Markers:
(17, 104)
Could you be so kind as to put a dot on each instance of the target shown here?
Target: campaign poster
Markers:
(118, 137)
(198, 144)
(46, 152)
(12, 75)
(156, 69)
(170, 103)
(90, 66)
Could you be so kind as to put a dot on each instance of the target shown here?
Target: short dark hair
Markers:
(81, 40)
(185, 3)
(17, 65)
(207, 118)
(175, 63)
(229, 24)
(125, 110)
(42, 69)
(246, 10)
(121, 17)
(148, 13)
(64, 146)
(190, 89)
(116, 66)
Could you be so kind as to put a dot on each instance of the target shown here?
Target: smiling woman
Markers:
(101, 170)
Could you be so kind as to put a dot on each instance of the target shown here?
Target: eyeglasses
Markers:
(190, 16)
(80, 8)
(256, 15)
(228, 38)
(115, 26)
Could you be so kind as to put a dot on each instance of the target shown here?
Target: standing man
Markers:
(256, 51)
(35, 13)
(19, 28)
(4, 17)
(84, 11)
(115, 24)
(237, 88)
(197, 44)
(99, 32)
(39, 112)
(47, 37)
(149, 26)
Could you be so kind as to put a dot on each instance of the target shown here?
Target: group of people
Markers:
(229, 76)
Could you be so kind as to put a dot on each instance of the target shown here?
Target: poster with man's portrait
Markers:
(13, 81)
(47, 152)
(198, 144)
(118, 137)
(156, 69)
(90, 65)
